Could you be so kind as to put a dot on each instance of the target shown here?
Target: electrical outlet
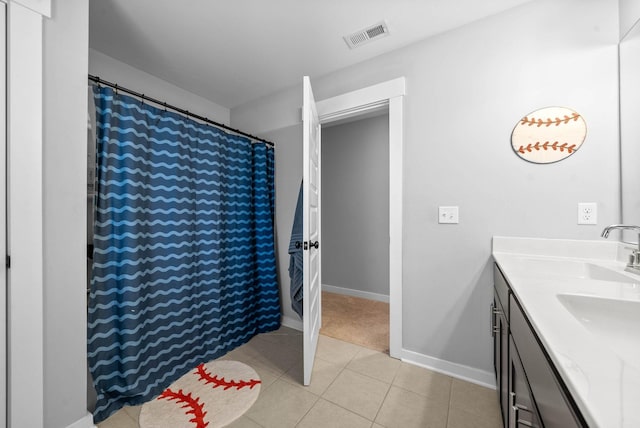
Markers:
(587, 213)
(447, 214)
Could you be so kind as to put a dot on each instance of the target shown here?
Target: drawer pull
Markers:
(492, 319)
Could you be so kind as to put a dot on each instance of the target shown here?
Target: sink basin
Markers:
(577, 269)
(615, 323)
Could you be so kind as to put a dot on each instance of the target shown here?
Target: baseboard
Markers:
(85, 422)
(355, 293)
(459, 371)
(291, 323)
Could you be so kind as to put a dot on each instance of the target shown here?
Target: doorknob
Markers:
(315, 244)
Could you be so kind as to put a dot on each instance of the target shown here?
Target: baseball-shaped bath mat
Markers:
(549, 135)
(211, 395)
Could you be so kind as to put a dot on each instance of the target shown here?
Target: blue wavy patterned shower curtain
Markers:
(184, 261)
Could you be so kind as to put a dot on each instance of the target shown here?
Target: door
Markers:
(522, 408)
(311, 318)
(3, 217)
(500, 333)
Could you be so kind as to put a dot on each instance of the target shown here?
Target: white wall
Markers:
(64, 177)
(355, 206)
(629, 15)
(115, 71)
(466, 90)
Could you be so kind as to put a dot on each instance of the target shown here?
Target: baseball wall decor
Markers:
(548, 135)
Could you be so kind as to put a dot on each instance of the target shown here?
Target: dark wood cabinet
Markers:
(530, 390)
(500, 332)
(522, 409)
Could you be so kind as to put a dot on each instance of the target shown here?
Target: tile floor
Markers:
(351, 387)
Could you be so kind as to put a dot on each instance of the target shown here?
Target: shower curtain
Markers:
(184, 259)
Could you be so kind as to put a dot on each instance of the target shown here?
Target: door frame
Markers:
(356, 103)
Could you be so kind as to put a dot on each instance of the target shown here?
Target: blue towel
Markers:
(295, 258)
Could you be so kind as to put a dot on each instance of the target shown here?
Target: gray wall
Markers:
(355, 205)
(64, 163)
(288, 151)
(629, 15)
(466, 90)
(115, 71)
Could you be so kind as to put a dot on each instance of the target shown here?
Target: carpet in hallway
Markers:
(352, 319)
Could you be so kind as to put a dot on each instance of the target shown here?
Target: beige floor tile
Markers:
(406, 409)
(285, 336)
(120, 419)
(336, 351)
(459, 418)
(238, 354)
(475, 399)
(324, 373)
(244, 422)
(433, 385)
(281, 405)
(326, 414)
(375, 364)
(283, 329)
(272, 356)
(358, 393)
(133, 412)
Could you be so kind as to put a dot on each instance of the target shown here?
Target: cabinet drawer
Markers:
(502, 290)
(556, 410)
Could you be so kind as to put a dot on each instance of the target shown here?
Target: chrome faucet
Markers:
(634, 257)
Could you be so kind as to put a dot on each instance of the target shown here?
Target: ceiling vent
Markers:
(362, 37)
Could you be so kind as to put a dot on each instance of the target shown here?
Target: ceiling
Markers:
(234, 51)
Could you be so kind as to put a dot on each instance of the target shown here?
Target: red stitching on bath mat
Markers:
(206, 376)
(196, 408)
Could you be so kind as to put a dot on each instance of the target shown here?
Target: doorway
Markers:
(355, 224)
(387, 95)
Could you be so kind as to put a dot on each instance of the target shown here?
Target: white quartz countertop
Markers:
(585, 308)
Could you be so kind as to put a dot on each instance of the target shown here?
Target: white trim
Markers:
(25, 200)
(41, 7)
(291, 323)
(396, 204)
(365, 98)
(85, 422)
(459, 371)
(3, 220)
(356, 293)
(342, 106)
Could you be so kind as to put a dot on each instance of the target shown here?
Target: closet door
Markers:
(311, 318)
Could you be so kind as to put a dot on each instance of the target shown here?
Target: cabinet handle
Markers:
(514, 417)
(512, 410)
(492, 319)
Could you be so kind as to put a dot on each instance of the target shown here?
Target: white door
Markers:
(311, 318)
(3, 219)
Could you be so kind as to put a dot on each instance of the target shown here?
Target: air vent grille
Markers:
(368, 34)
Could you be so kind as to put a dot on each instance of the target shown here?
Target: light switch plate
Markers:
(448, 215)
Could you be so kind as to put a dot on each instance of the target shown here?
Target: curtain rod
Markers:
(144, 97)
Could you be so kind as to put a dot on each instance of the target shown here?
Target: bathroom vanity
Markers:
(565, 320)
